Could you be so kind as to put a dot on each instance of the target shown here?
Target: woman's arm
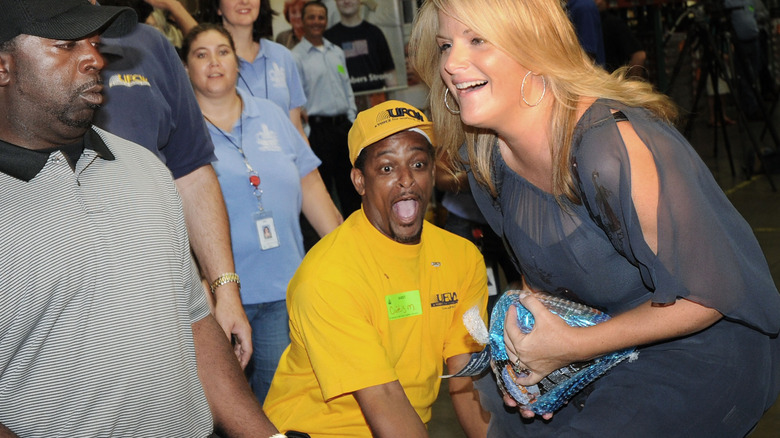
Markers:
(553, 344)
(318, 207)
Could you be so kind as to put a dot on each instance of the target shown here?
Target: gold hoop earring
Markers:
(522, 90)
(452, 111)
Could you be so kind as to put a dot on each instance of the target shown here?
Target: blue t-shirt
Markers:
(277, 152)
(149, 100)
(273, 76)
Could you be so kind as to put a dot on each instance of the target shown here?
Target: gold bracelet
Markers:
(228, 277)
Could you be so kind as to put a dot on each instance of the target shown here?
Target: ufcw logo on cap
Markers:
(392, 113)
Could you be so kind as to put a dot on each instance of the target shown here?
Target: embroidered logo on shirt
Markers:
(445, 299)
(267, 139)
(128, 80)
(277, 76)
(435, 264)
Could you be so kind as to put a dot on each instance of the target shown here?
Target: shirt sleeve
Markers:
(352, 111)
(190, 279)
(383, 51)
(344, 347)
(294, 83)
(189, 145)
(306, 160)
(297, 59)
(706, 251)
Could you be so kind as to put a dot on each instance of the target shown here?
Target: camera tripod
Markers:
(715, 47)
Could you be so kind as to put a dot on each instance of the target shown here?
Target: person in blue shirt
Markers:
(268, 175)
(330, 105)
(267, 67)
(148, 100)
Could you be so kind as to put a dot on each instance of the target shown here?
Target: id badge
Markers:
(266, 230)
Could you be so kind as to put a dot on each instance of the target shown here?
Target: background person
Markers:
(330, 104)
(621, 47)
(148, 100)
(377, 305)
(369, 61)
(584, 15)
(267, 68)
(253, 138)
(292, 13)
(604, 202)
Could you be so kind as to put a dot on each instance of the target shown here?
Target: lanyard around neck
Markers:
(254, 177)
(265, 78)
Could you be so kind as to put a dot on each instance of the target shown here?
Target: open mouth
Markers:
(406, 210)
(470, 85)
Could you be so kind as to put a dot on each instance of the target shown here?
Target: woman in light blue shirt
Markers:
(267, 68)
(268, 176)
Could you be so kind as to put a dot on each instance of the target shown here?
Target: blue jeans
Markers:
(270, 336)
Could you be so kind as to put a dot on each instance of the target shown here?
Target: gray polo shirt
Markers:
(99, 295)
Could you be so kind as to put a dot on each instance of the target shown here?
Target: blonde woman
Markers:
(603, 202)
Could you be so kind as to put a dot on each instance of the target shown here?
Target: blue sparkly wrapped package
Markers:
(552, 392)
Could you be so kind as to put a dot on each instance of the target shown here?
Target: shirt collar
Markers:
(263, 52)
(250, 108)
(26, 164)
(307, 45)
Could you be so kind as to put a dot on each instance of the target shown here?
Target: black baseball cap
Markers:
(62, 19)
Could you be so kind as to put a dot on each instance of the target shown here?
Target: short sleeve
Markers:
(294, 83)
(706, 251)
(305, 158)
(189, 145)
(334, 323)
(383, 52)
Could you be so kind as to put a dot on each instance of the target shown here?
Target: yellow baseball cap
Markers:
(384, 120)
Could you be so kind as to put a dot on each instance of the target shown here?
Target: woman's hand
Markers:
(542, 351)
(546, 348)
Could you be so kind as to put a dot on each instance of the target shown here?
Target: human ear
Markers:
(6, 63)
(358, 181)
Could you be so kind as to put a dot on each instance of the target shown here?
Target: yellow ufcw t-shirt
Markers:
(366, 310)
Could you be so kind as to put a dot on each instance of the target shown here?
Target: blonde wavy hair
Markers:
(538, 35)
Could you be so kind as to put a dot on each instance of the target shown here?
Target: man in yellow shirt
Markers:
(376, 306)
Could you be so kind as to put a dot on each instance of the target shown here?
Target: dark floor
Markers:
(752, 196)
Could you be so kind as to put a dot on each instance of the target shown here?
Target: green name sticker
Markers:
(403, 305)
(342, 70)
